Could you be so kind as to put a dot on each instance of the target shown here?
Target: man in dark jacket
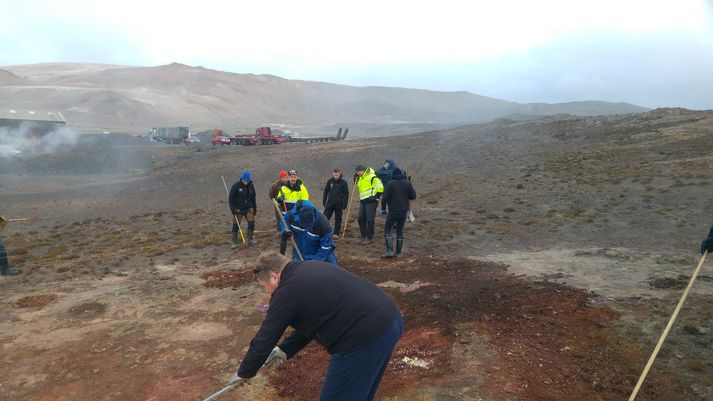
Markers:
(707, 244)
(396, 196)
(312, 232)
(4, 262)
(385, 173)
(335, 199)
(241, 201)
(352, 318)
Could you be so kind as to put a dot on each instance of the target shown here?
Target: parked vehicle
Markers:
(171, 135)
(220, 140)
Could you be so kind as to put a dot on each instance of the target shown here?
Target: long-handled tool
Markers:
(287, 227)
(668, 327)
(240, 229)
(349, 206)
(224, 389)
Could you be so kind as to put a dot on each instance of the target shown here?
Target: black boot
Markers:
(251, 237)
(399, 246)
(389, 247)
(5, 265)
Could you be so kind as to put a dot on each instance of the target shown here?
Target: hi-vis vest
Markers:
(292, 196)
(369, 185)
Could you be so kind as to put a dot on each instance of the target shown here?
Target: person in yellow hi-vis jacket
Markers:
(370, 188)
(292, 191)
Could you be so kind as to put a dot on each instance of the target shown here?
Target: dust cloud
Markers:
(22, 141)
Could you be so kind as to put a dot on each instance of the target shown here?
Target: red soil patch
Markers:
(225, 279)
(547, 343)
(35, 301)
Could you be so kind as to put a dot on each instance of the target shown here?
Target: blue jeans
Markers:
(355, 376)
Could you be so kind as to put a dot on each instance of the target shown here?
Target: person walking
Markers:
(370, 190)
(290, 192)
(312, 232)
(4, 261)
(243, 204)
(335, 199)
(397, 194)
(354, 320)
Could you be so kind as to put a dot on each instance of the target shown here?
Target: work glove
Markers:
(276, 359)
(280, 200)
(237, 378)
(255, 212)
(287, 234)
(383, 214)
(707, 244)
(324, 203)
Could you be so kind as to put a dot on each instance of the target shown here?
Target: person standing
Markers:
(385, 173)
(397, 195)
(312, 233)
(290, 192)
(354, 320)
(707, 243)
(274, 191)
(335, 199)
(243, 204)
(370, 190)
(4, 261)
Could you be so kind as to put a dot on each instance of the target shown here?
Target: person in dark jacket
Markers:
(312, 232)
(396, 196)
(5, 269)
(357, 323)
(335, 199)
(242, 203)
(707, 244)
(385, 173)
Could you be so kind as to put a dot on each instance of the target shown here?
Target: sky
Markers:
(650, 53)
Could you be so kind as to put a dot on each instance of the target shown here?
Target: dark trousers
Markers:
(337, 216)
(367, 214)
(249, 216)
(355, 376)
(397, 219)
(4, 263)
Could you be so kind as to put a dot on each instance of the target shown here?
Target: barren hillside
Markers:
(544, 261)
(134, 99)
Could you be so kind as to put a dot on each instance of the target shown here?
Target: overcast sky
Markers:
(648, 52)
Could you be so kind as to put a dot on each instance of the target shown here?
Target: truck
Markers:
(218, 137)
(170, 135)
(263, 136)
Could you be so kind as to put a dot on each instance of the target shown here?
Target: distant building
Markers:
(36, 122)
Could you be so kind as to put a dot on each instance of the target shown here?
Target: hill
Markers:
(133, 99)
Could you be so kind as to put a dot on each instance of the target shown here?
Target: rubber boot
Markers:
(389, 247)
(251, 237)
(399, 246)
(5, 265)
(233, 240)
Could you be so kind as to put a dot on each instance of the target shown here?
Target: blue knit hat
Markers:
(245, 176)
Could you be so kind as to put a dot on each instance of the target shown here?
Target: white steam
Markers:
(25, 140)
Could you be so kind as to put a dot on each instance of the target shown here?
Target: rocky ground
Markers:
(544, 262)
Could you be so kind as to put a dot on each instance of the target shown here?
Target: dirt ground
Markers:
(544, 262)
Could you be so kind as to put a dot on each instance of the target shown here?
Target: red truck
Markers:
(263, 136)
